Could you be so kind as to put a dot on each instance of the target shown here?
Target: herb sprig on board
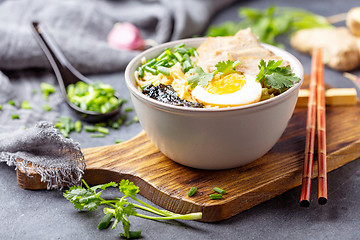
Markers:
(119, 209)
(271, 75)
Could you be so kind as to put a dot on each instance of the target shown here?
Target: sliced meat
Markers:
(244, 46)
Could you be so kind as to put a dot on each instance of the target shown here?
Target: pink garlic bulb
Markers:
(125, 36)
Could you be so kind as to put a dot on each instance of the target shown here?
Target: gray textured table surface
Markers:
(47, 215)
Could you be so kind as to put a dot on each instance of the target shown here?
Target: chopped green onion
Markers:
(181, 45)
(119, 141)
(1, 107)
(150, 70)
(97, 135)
(181, 50)
(178, 56)
(25, 105)
(141, 72)
(132, 234)
(64, 133)
(136, 119)
(115, 125)
(219, 190)
(47, 89)
(100, 124)
(105, 221)
(164, 70)
(129, 109)
(150, 63)
(78, 126)
(143, 87)
(47, 108)
(121, 120)
(96, 97)
(167, 59)
(215, 196)
(11, 102)
(89, 128)
(15, 116)
(192, 191)
(186, 65)
(128, 123)
(102, 130)
(162, 55)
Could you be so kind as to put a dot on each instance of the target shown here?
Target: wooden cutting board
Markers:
(166, 183)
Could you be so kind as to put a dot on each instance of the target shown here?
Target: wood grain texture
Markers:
(166, 183)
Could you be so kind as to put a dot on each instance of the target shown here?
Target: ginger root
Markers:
(353, 21)
(340, 47)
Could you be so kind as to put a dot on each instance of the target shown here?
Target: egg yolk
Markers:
(226, 84)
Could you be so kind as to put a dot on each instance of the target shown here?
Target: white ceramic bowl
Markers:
(213, 138)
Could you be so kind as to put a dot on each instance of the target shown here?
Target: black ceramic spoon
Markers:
(66, 74)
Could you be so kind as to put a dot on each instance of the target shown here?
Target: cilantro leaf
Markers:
(271, 75)
(82, 198)
(226, 67)
(119, 208)
(200, 77)
(104, 186)
(128, 188)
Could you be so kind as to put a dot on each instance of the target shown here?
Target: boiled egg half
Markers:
(229, 90)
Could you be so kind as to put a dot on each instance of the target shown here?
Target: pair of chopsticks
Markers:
(315, 121)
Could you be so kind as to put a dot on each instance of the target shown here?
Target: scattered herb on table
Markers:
(269, 23)
(215, 196)
(11, 102)
(192, 191)
(47, 108)
(97, 135)
(47, 89)
(121, 209)
(272, 76)
(102, 130)
(98, 97)
(1, 107)
(66, 126)
(15, 116)
(78, 126)
(219, 190)
(25, 105)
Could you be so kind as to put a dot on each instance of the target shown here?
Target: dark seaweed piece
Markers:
(166, 94)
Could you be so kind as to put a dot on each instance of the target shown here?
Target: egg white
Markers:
(249, 93)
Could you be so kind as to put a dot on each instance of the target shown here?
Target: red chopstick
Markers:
(321, 133)
(310, 134)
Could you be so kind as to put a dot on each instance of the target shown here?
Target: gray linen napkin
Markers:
(80, 28)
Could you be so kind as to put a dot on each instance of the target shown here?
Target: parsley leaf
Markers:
(226, 67)
(271, 75)
(200, 77)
